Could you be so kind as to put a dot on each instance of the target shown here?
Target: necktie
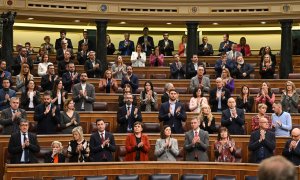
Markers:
(26, 152)
(196, 133)
(14, 111)
(102, 137)
(103, 153)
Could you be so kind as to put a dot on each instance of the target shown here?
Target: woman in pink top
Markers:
(243, 47)
(266, 96)
(156, 59)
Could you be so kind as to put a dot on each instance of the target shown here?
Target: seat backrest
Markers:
(160, 177)
(159, 90)
(250, 177)
(93, 127)
(181, 155)
(141, 76)
(192, 177)
(224, 178)
(128, 177)
(64, 178)
(151, 127)
(254, 90)
(95, 178)
(100, 106)
(120, 153)
(32, 126)
(158, 76)
(294, 75)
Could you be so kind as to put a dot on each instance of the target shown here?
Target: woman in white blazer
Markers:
(138, 58)
(166, 148)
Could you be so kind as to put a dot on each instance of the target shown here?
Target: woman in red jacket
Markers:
(137, 144)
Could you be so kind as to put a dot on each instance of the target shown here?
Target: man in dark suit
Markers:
(23, 145)
(223, 63)
(20, 59)
(5, 94)
(92, 66)
(165, 96)
(196, 142)
(126, 46)
(11, 117)
(146, 41)
(86, 40)
(225, 46)
(82, 56)
(63, 34)
(62, 65)
(292, 147)
(205, 49)
(102, 144)
(166, 46)
(177, 68)
(233, 118)
(192, 67)
(60, 53)
(47, 115)
(128, 115)
(219, 97)
(70, 78)
(262, 142)
(172, 113)
(242, 70)
(130, 79)
(47, 81)
(4, 73)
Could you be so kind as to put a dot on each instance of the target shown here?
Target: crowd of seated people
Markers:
(57, 110)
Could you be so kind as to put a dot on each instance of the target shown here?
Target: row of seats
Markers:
(157, 177)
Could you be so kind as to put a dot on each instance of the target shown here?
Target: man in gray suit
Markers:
(83, 94)
(10, 117)
(196, 142)
(200, 81)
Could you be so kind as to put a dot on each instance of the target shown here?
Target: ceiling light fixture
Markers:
(168, 23)
(123, 22)
(30, 18)
(263, 22)
(215, 23)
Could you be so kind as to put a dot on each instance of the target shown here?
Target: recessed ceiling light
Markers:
(30, 18)
(123, 22)
(215, 23)
(263, 22)
(77, 20)
(168, 23)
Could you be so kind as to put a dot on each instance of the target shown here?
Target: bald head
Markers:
(263, 123)
(295, 134)
(231, 103)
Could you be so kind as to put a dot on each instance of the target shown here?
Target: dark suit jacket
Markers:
(269, 144)
(267, 73)
(46, 84)
(90, 44)
(58, 43)
(176, 73)
(82, 57)
(164, 97)
(123, 122)
(149, 47)
(214, 102)
(227, 48)
(235, 125)
(197, 152)
(11, 126)
(99, 154)
(67, 81)
(49, 159)
(15, 148)
(191, 72)
(5, 104)
(134, 82)
(293, 155)
(126, 50)
(168, 50)
(245, 68)
(46, 123)
(25, 100)
(91, 73)
(61, 67)
(17, 65)
(205, 52)
(219, 67)
(174, 120)
(60, 56)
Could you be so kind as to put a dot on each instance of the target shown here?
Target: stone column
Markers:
(286, 65)
(8, 20)
(101, 50)
(192, 41)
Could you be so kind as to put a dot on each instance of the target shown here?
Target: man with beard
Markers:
(4, 73)
(172, 113)
(69, 79)
(242, 70)
(20, 59)
(47, 81)
(6, 94)
(130, 79)
(83, 94)
(92, 66)
(47, 116)
(128, 115)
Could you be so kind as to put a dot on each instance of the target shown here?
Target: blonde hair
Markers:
(79, 130)
(262, 105)
(293, 86)
(59, 144)
(201, 115)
